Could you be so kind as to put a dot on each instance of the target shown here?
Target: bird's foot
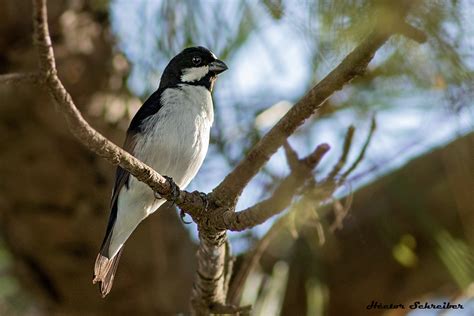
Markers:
(174, 191)
(175, 194)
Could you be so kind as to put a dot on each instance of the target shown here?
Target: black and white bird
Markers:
(170, 133)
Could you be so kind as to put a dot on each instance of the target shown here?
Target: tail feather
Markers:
(104, 272)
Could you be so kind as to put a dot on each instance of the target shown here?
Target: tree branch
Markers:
(291, 155)
(281, 198)
(411, 32)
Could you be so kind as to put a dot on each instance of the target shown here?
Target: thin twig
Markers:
(345, 152)
(340, 212)
(318, 225)
(291, 155)
(412, 32)
(373, 126)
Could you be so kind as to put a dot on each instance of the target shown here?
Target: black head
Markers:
(193, 66)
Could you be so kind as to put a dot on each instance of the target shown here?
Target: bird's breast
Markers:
(174, 141)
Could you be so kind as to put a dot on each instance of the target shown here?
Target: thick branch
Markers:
(88, 136)
(208, 287)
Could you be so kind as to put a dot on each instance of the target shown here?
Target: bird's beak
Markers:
(217, 66)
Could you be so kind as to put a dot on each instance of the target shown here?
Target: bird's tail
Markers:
(104, 271)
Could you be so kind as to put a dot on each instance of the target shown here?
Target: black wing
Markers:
(151, 106)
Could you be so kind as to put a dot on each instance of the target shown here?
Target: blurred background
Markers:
(408, 235)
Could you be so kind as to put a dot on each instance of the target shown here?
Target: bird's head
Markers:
(193, 66)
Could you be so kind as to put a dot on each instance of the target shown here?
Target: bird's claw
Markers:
(174, 191)
(175, 194)
(182, 215)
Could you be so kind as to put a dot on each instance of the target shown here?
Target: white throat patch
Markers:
(194, 73)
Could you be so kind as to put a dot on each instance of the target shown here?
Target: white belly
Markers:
(174, 142)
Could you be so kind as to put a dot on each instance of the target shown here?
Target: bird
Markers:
(170, 133)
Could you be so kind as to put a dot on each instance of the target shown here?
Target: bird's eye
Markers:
(196, 60)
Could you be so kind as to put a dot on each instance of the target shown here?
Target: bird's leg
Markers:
(182, 215)
(175, 194)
